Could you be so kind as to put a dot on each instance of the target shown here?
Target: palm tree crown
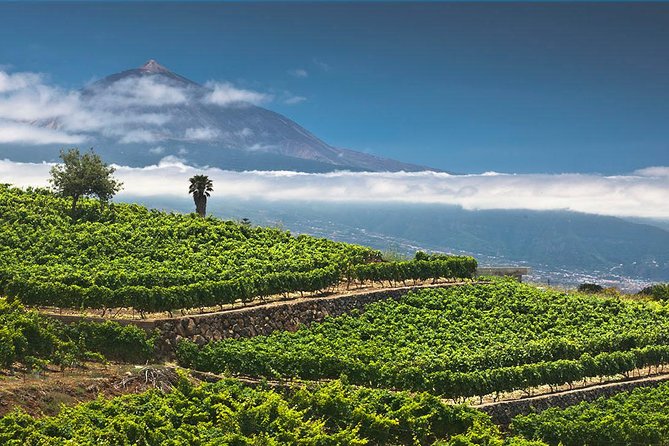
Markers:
(200, 187)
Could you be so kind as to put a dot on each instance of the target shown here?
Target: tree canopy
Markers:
(84, 175)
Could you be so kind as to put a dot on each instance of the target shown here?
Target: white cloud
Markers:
(17, 81)
(257, 147)
(159, 150)
(224, 94)
(139, 136)
(656, 171)
(245, 132)
(322, 65)
(129, 110)
(171, 161)
(201, 134)
(292, 100)
(299, 72)
(31, 106)
(37, 102)
(19, 133)
(141, 91)
(634, 195)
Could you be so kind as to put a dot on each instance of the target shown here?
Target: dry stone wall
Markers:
(264, 319)
(504, 411)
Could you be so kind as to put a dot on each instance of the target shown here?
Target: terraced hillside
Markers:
(389, 373)
(131, 256)
(464, 341)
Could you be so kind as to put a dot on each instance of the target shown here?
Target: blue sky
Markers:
(518, 87)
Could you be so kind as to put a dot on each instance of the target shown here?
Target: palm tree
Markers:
(200, 186)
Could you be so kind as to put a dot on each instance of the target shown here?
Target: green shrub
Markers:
(591, 288)
(33, 340)
(187, 352)
(7, 352)
(125, 343)
(658, 291)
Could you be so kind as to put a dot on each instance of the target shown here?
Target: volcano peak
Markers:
(152, 66)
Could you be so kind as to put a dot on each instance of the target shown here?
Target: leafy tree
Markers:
(590, 288)
(659, 291)
(84, 175)
(200, 186)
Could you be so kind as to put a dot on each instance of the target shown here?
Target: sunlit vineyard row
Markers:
(463, 341)
(130, 256)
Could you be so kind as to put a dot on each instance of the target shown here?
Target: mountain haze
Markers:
(152, 112)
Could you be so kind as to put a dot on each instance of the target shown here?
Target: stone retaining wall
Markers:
(254, 320)
(264, 319)
(504, 411)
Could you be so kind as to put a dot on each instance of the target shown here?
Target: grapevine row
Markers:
(210, 293)
(130, 256)
(638, 417)
(460, 342)
(230, 413)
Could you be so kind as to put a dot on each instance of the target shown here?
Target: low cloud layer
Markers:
(640, 194)
(128, 110)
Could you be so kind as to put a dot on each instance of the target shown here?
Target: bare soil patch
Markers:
(46, 393)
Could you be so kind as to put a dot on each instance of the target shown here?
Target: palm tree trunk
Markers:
(201, 206)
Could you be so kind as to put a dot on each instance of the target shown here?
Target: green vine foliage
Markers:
(463, 341)
(32, 341)
(130, 256)
(229, 413)
(629, 418)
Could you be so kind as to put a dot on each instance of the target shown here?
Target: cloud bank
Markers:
(127, 110)
(640, 194)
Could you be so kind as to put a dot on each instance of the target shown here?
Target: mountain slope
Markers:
(152, 112)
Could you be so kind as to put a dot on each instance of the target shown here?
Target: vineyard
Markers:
(630, 418)
(231, 413)
(393, 373)
(130, 256)
(471, 340)
(34, 341)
